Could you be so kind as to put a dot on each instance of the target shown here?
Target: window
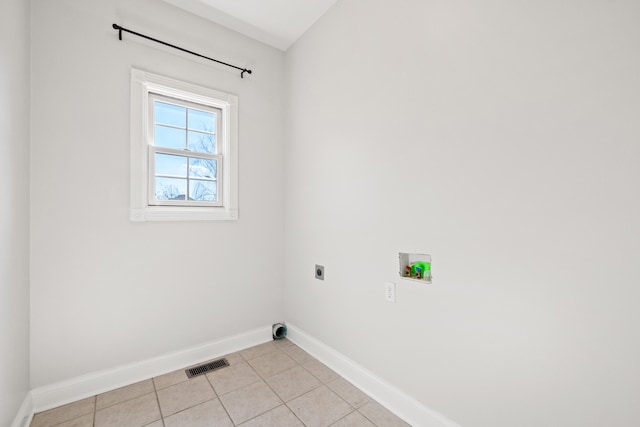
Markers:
(183, 151)
(183, 154)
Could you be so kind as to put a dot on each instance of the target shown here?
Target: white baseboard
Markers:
(25, 414)
(84, 386)
(395, 400)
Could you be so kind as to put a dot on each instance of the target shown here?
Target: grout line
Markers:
(240, 387)
(307, 392)
(227, 411)
(171, 385)
(365, 415)
(316, 376)
(126, 400)
(322, 384)
(344, 398)
(264, 380)
(292, 411)
(69, 419)
(190, 407)
(355, 410)
(215, 393)
(286, 404)
(260, 414)
(95, 410)
(273, 409)
(273, 346)
(220, 400)
(215, 396)
(155, 390)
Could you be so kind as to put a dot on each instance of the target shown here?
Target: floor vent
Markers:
(206, 367)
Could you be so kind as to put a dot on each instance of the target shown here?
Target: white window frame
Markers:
(144, 86)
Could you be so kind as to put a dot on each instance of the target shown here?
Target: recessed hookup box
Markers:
(415, 266)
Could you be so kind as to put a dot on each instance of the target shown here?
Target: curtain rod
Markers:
(121, 29)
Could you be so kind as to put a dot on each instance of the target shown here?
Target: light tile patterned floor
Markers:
(276, 384)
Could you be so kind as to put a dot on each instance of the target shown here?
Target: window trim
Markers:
(142, 85)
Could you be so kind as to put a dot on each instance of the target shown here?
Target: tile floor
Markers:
(274, 384)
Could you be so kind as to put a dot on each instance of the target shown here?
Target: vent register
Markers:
(206, 367)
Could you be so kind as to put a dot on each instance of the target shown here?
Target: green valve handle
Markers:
(422, 267)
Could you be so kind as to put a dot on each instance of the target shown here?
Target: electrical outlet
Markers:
(390, 292)
(319, 272)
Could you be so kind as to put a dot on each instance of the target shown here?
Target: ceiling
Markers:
(278, 23)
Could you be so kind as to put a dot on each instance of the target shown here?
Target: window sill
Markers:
(172, 213)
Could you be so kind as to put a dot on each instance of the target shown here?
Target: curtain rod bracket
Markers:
(117, 27)
(121, 29)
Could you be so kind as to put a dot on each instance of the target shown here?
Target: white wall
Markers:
(106, 291)
(503, 138)
(14, 208)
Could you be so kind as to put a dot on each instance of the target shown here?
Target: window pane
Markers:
(170, 114)
(170, 188)
(167, 164)
(169, 137)
(205, 191)
(202, 120)
(203, 168)
(202, 142)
